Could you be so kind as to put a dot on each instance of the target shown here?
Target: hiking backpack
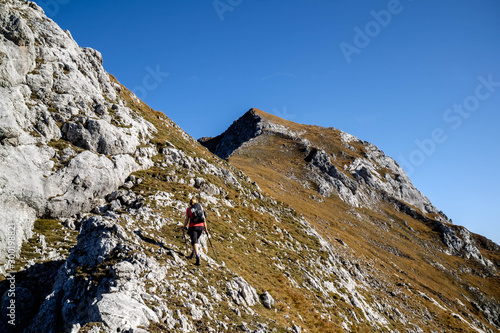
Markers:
(198, 213)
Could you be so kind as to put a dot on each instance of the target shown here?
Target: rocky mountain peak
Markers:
(247, 127)
(357, 171)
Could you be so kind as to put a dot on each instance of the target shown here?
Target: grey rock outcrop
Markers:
(367, 180)
(241, 292)
(267, 300)
(330, 179)
(381, 174)
(242, 131)
(115, 295)
(60, 113)
(459, 241)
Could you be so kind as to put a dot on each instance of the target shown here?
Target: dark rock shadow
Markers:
(157, 243)
(23, 292)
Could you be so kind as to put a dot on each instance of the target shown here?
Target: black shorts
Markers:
(195, 233)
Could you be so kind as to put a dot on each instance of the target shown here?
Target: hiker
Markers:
(195, 223)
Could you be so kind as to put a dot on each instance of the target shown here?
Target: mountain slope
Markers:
(95, 184)
(354, 194)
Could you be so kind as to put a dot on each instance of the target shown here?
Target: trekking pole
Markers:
(185, 240)
(210, 241)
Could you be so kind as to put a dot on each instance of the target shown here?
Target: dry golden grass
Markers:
(56, 236)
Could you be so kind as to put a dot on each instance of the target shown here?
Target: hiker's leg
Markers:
(197, 245)
(192, 235)
(194, 240)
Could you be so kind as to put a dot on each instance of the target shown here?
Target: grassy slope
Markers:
(381, 237)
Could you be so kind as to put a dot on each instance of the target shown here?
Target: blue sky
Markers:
(418, 78)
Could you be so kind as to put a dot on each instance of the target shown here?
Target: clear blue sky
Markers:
(420, 79)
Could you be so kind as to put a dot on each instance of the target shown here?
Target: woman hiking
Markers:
(195, 223)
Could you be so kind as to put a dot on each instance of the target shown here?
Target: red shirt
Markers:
(189, 214)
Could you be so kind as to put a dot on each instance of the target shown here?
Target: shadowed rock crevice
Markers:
(32, 286)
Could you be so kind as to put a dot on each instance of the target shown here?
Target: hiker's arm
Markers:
(186, 222)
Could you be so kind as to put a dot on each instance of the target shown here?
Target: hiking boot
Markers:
(191, 256)
(198, 261)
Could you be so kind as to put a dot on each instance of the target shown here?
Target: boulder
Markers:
(241, 292)
(267, 300)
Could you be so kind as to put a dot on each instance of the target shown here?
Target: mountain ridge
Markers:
(256, 122)
(367, 167)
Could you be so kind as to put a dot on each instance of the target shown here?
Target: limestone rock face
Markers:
(17, 50)
(242, 292)
(117, 295)
(461, 243)
(267, 300)
(67, 138)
